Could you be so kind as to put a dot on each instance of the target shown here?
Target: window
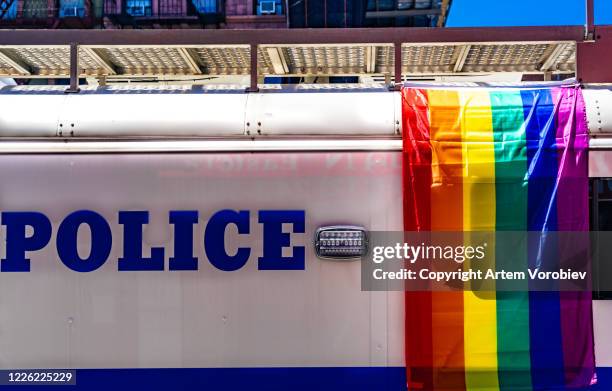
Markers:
(71, 8)
(11, 12)
(269, 7)
(405, 4)
(205, 6)
(423, 4)
(138, 7)
(601, 220)
(35, 9)
(387, 13)
(171, 8)
(390, 5)
(381, 5)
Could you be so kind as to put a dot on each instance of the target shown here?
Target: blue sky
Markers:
(472, 13)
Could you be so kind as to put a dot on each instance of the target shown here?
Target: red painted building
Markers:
(47, 14)
(234, 14)
(246, 14)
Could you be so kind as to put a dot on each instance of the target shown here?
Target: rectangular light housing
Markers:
(341, 242)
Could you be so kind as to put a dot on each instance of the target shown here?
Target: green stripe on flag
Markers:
(514, 360)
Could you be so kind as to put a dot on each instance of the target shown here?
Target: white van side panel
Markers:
(56, 317)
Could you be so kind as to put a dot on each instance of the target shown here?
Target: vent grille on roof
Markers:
(299, 60)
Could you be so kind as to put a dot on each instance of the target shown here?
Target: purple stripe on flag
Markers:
(573, 215)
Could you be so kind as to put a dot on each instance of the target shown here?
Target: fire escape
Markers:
(50, 14)
(163, 13)
(5, 6)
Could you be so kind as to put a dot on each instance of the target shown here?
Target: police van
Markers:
(176, 238)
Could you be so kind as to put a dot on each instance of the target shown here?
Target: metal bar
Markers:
(600, 143)
(442, 19)
(279, 63)
(400, 13)
(287, 13)
(107, 66)
(590, 19)
(20, 66)
(74, 69)
(397, 48)
(199, 37)
(463, 54)
(253, 85)
(70, 146)
(150, 77)
(190, 61)
(325, 13)
(370, 59)
(551, 60)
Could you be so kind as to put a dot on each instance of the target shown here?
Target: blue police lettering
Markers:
(101, 241)
(183, 221)
(30, 231)
(275, 239)
(132, 259)
(214, 239)
(17, 243)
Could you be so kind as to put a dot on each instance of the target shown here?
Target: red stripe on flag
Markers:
(417, 179)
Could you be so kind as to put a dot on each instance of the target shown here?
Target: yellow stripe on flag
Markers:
(480, 315)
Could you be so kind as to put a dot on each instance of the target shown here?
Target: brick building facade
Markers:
(233, 14)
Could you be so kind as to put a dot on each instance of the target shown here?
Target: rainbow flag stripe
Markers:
(497, 159)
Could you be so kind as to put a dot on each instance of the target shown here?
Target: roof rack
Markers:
(306, 52)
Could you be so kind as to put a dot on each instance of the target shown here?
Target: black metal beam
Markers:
(188, 37)
(253, 66)
(74, 69)
(397, 71)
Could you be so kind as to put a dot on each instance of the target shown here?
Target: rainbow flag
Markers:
(497, 159)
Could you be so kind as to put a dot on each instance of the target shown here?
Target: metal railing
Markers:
(163, 8)
(24, 13)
